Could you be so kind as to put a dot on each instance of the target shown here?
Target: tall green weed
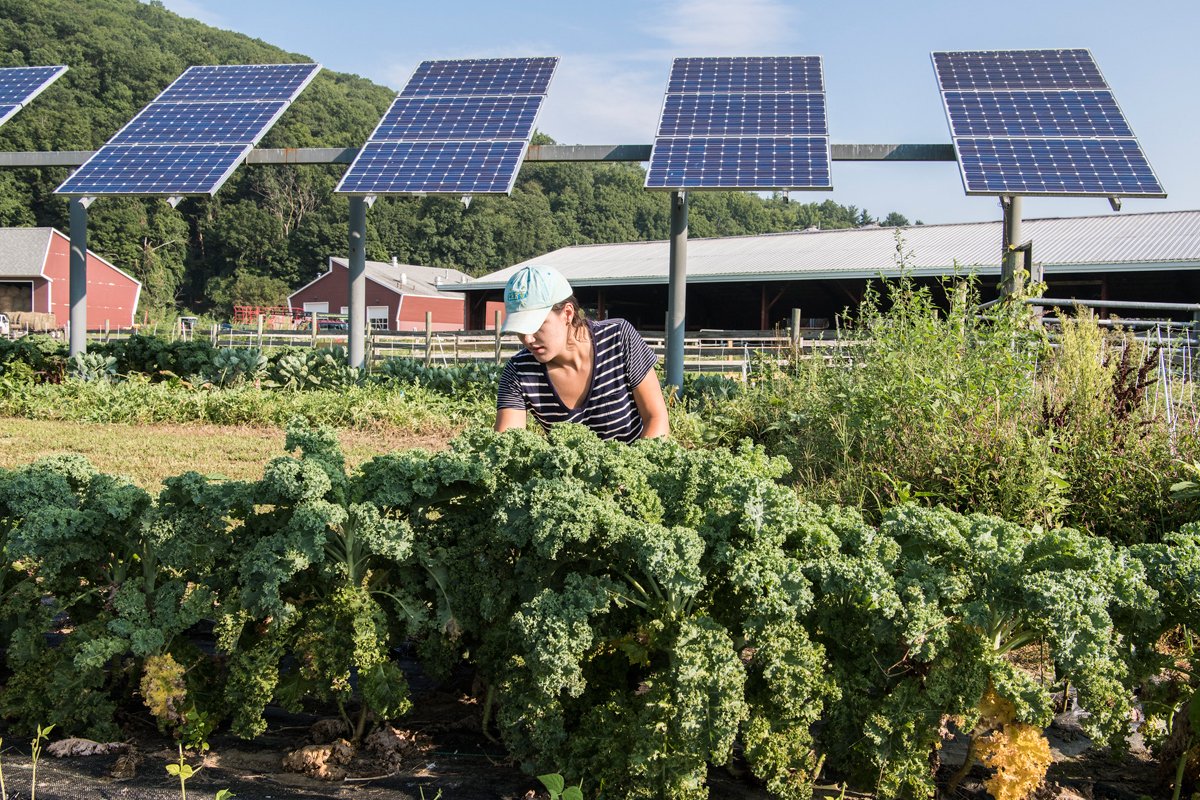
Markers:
(924, 397)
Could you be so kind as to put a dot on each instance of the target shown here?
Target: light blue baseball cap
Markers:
(529, 295)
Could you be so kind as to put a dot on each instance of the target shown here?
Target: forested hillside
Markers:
(271, 229)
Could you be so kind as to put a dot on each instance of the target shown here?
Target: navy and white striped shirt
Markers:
(621, 360)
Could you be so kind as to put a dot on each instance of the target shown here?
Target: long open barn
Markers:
(753, 282)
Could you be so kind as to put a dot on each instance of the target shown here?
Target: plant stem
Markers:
(1179, 768)
(487, 714)
(361, 725)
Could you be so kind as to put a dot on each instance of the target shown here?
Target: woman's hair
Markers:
(578, 322)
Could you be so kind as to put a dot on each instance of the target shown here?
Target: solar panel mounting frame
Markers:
(9, 109)
(1013, 189)
(306, 71)
(420, 87)
(653, 180)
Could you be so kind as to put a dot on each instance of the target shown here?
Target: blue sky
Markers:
(615, 57)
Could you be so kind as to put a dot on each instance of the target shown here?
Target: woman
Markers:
(599, 374)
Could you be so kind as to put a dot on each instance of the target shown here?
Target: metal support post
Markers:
(78, 280)
(428, 338)
(677, 291)
(499, 322)
(357, 264)
(1011, 257)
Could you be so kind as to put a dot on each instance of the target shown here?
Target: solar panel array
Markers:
(1040, 122)
(743, 123)
(193, 135)
(19, 85)
(458, 127)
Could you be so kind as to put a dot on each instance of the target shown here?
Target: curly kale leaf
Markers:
(787, 688)
(253, 670)
(684, 715)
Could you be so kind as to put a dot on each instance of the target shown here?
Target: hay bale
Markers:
(33, 321)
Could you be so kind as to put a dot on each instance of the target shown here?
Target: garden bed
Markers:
(453, 757)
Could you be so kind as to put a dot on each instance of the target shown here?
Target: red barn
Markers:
(35, 275)
(398, 295)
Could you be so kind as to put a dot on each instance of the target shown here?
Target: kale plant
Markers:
(110, 583)
(632, 609)
(312, 582)
(921, 617)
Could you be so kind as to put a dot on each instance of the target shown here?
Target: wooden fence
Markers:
(729, 352)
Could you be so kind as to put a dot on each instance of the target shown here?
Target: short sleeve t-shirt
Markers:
(622, 360)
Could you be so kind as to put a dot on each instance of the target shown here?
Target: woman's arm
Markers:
(509, 418)
(651, 406)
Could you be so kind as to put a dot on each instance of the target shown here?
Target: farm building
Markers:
(35, 270)
(753, 282)
(398, 295)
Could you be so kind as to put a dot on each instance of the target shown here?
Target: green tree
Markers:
(247, 289)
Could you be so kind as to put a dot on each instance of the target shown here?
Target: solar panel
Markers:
(416, 118)
(742, 123)
(1040, 122)
(742, 115)
(19, 85)
(1018, 69)
(156, 169)
(746, 75)
(481, 77)
(192, 136)
(1107, 167)
(1059, 114)
(741, 163)
(239, 82)
(481, 167)
(458, 127)
(201, 123)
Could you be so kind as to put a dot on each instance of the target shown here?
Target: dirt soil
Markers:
(440, 749)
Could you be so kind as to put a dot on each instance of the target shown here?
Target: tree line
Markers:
(271, 229)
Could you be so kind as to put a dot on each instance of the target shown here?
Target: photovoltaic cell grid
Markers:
(458, 127)
(1040, 122)
(19, 85)
(743, 123)
(483, 77)
(193, 135)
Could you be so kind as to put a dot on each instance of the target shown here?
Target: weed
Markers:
(184, 771)
(43, 734)
(556, 785)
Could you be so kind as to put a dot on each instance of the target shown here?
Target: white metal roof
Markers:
(1157, 240)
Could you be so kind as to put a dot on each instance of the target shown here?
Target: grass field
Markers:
(150, 453)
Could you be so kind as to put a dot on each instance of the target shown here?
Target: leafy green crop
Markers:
(919, 619)
(636, 614)
(310, 579)
(614, 594)
(92, 545)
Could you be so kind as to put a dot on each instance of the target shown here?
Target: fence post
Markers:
(314, 330)
(428, 338)
(497, 336)
(795, 326)
(368, 345)
(260, 330)
(212, 337)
